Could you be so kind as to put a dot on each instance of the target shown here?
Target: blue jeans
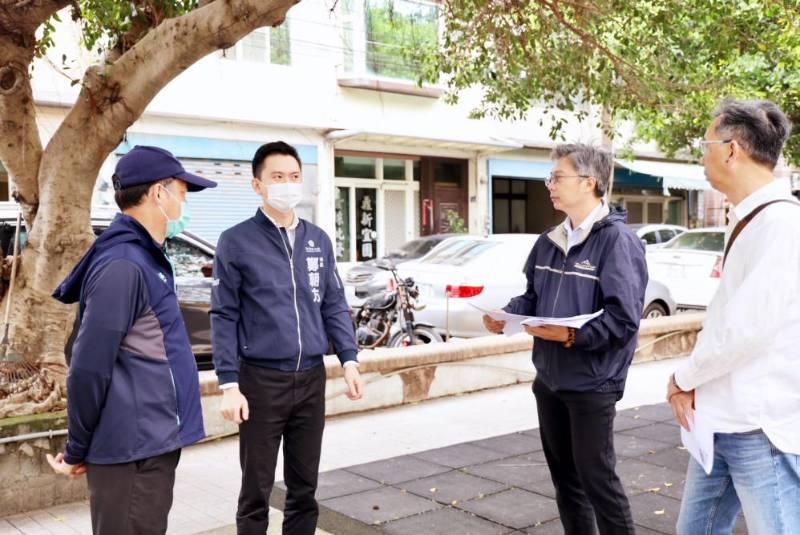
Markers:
(749, 474)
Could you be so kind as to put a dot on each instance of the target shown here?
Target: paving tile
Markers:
(380, 505)
(631, 446)
(398, 469)
(341, 482)
(511, 444)
(624, 421)
(460, 455)
(647, 531)
(532, 433)
(24, 523)
(515, 508)
(669, 434)
(529, 472)
(553, 527)
(446, 521)
(639, 476)
(673, 458)
(453, 486)
(655, 512)
(7, 529)
(660, 412)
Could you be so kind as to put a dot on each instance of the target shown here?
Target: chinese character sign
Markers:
(366, 217)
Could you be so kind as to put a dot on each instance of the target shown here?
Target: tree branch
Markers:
(20, 146)
(20, 18)
(115, 95)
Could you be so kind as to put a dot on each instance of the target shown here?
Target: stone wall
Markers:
(409, 375)
(27, 481)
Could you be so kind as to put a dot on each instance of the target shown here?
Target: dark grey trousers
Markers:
(288, 406)
(577, 430)
(132, 498)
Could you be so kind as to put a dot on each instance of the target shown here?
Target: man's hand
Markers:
(355, 386)
(493, 326)
(60, 466)
(672, 388)
(682, 404)
(234, 406)
(551, 333)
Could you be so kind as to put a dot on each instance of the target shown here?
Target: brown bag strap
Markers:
(749, 217)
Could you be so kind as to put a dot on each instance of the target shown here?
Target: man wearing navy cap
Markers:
(133, 393)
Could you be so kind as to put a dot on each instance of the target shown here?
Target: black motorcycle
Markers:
(387, 318)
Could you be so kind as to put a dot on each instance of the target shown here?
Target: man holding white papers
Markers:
(743, 376)
(591, 262)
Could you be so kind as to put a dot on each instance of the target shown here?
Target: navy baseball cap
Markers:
(145, 165)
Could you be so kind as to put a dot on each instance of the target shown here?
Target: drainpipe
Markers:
(32, 436)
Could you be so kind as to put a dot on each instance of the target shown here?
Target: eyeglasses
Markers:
(554, 179)
(704, 143)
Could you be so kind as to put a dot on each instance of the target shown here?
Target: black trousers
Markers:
(291, 406)
(132, 498)
(577, 430)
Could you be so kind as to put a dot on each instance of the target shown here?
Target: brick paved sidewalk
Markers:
(501, 485)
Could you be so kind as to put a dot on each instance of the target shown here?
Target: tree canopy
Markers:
(662, 64)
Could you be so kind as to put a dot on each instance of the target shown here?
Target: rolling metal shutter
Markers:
(232, 201)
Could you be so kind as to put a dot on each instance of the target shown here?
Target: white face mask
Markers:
(284, 197)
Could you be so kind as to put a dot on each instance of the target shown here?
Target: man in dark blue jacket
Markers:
(277, 300)
(133, 395)
(592, 261)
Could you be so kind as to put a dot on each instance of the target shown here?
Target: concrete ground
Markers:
(208, 476)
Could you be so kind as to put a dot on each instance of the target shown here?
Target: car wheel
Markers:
(654, 310)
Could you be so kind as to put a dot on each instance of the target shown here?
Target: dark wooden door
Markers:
(444, 190)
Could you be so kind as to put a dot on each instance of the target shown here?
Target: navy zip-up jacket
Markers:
(274, 304)
(133, 388)
(607, 270)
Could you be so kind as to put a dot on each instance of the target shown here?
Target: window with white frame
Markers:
(376, 204)
(264, 45)
(377, 36)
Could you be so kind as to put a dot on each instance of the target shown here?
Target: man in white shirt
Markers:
(743, 376)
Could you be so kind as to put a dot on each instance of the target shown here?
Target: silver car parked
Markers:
(486, 272)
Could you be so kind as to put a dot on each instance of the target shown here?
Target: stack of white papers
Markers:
(576, 322)
(700, 441)
(516, 324)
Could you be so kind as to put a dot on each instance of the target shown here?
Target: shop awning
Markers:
(485, 144)
(674, 175)
(525, 169)
(206, 148)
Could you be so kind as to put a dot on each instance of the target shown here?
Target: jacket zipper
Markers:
(171, 375)
(294, 288)
(561, 277)
(175, 391)
(558, 289)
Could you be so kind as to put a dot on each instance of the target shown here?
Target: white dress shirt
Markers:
(291, 230)
(574, 237)
(745, 367)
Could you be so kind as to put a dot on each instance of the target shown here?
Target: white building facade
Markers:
(384, 160)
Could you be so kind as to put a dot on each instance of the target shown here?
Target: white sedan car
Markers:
(464, 270)
(656, 236)
(690, 265)
(486, 272)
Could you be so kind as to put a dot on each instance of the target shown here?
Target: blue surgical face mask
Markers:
(176, 226)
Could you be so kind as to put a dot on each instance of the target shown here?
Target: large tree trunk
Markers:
(55, 185)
